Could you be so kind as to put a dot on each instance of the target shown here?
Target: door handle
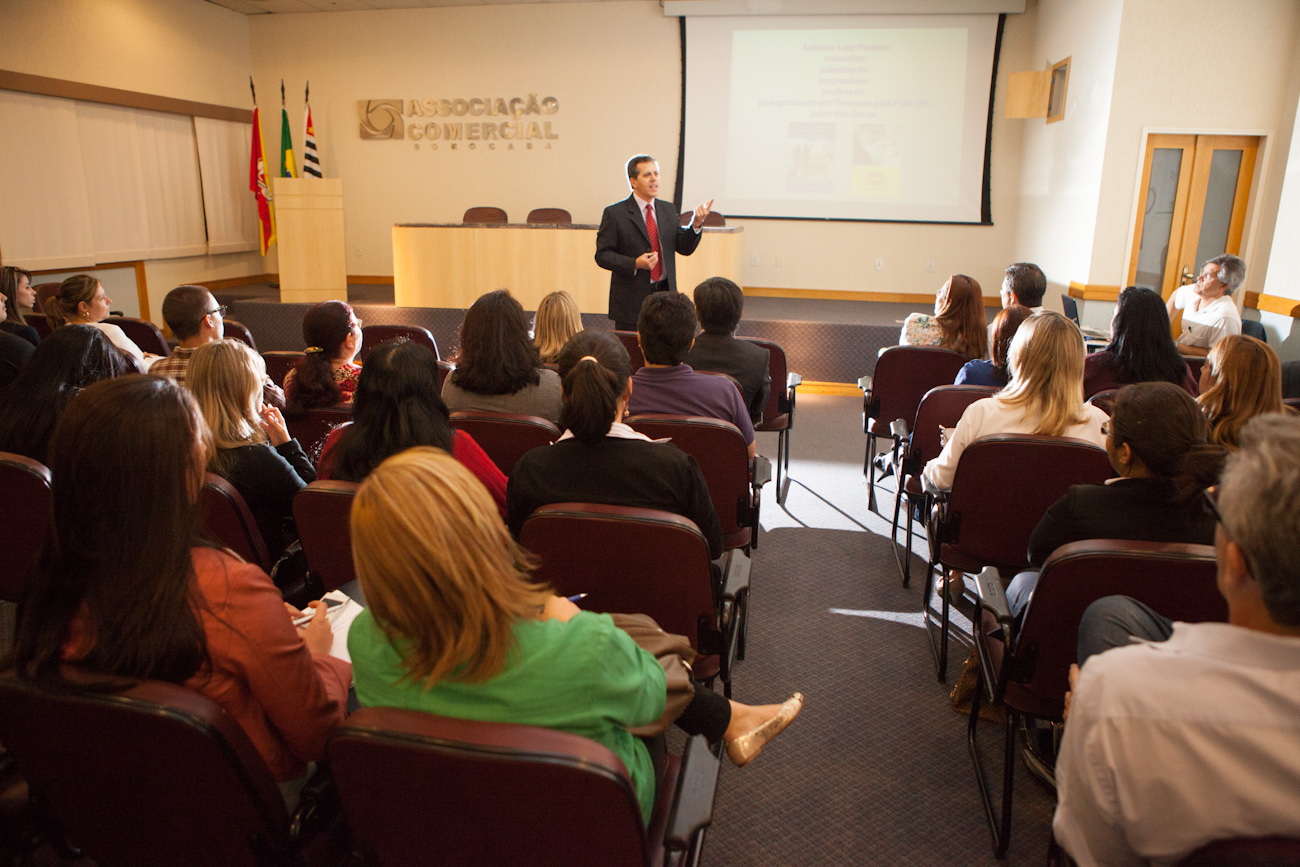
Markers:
(1186, 277)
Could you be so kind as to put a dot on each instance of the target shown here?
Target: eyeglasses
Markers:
(1210, 497)
(220, 311)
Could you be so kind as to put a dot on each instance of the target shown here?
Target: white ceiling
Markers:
(261, 7)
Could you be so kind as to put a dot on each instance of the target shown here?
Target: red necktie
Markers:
(657, 272)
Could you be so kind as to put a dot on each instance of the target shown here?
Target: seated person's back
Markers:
(719, 304)
(666, 330)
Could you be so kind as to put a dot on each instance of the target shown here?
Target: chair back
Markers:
(239, 331)
(627, 560)
(633, 347)
(780, 399)
(903, 375)
(506, 437)
(156, 775)
(373, 335)
(44, 292)
(549, 215)
(1254, 328)
(495, 798)
(25, 520)
(736, 382)
(1104, 400)
(941, 406)
(143, 334)
(227, 521)
(1003, 486)
(1246, 852)
(485, 215)
(321, 510)
(280, 362)
(719, 449)
(311, 430)
(1195, 363)
(1176, 580)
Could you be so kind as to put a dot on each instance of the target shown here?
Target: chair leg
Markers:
(871, 473)
(893, 536)
(939, 645)
(999, 826)
(782, 467)
(907, 561)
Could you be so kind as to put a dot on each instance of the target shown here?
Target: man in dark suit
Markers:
(639, 251)
(719, 304)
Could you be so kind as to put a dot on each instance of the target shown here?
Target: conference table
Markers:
(452, 264)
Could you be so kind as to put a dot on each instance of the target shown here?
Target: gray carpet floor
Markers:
(875, 770)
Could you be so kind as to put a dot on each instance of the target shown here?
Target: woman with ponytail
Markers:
(81, 300)
(326, 375)
(599, 459)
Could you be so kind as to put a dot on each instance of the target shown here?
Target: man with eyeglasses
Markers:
(196, 319)
(1191, 733)
(1209, 311)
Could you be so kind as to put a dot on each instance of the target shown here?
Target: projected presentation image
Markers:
(876, 160)
(812, 154)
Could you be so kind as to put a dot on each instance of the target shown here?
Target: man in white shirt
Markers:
(1024, 283)
(1209, 313)
(1173, 744)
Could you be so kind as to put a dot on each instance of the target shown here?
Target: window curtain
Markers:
(231, 211)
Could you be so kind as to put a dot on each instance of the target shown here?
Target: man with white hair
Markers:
(1192, 733)
(1209, 313)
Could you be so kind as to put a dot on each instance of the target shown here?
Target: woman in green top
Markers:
(454, 627)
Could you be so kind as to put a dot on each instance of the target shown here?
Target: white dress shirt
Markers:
(1214, 320)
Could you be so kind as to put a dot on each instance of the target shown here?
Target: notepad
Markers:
(341, 617)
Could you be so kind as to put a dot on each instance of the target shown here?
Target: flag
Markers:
(258, 184)
(287, 167)
(310, 158)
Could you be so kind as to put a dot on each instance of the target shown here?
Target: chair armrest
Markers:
(898, 429)
(735, 574)
(760, 471)
(793, 380)
(864, 383)
(697, 784)
(992, 596)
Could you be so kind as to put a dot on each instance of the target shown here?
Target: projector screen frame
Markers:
(986, 208)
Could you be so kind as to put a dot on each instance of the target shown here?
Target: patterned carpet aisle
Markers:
(875, 771)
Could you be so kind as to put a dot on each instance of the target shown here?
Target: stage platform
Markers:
(826, 341)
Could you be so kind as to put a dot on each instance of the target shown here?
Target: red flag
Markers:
(258, 184)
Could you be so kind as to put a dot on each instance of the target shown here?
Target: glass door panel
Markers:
(1157, 227)
(1216, 217)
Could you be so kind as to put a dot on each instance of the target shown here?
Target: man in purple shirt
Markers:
(666, 332)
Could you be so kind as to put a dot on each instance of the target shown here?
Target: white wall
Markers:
(1062, 162)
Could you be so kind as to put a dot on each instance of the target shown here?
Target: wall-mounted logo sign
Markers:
(503, 119)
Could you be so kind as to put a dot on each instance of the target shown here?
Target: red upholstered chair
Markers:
(1195, 362)
(157, 775)
(506, 437)
(373, 335)
(549, 215)
(633, 347)
(1003, 486)
(719, 449)
(1025, 668)
(228, 522)
(280, 362)
(321, 510)
(941, 407)
(143, 334)
(1104, 400)
(648, 562)
(311, 430)
(778, 415)
(727, 376)
(903, 375)
(44, 292)
(1246, 852)
(24, 520)
(420, 789)
(239, 331)
(485, 215)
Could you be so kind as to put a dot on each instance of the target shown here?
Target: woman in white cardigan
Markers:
(81, 300)
(1044, 396)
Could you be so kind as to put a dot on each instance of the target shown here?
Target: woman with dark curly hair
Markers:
(499, 368)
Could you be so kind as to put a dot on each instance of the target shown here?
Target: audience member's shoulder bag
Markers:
(675, 654)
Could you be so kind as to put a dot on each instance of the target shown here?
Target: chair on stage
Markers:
(506, 437)
(279, 362)
(942, 407)
(1024, 667)
(373, 335)
(903, 375)
(1003, 486)
(485, 215)
(645, 561)
(239, 331)
(143, 334)
(322, 511)
(24, 520)
(495, 798)
(778, 414)
(549, 215)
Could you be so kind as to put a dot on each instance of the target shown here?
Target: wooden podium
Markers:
(309, 230)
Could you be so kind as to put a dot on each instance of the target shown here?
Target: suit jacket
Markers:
(622, 237)
(745, 361)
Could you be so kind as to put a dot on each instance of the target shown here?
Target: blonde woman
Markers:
(455, 627)
(1242, 378)
(958, 322)
(557, 320)
(81, 300)
(1044, 396)
(252, 448)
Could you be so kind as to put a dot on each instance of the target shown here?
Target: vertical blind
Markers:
(84, 183)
